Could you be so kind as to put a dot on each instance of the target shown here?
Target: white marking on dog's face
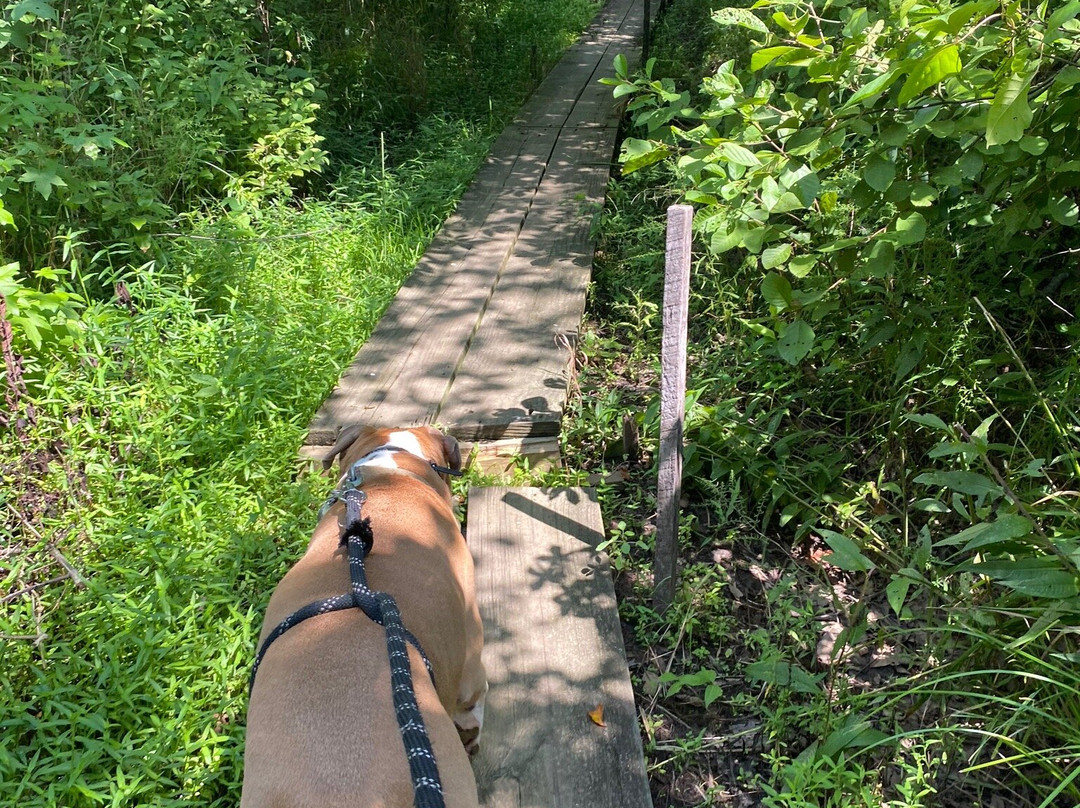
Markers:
(407, 441)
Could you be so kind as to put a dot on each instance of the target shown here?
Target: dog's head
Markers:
(356, 441)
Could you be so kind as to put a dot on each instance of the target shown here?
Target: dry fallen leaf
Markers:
(597, 715)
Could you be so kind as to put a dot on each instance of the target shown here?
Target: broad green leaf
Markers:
(776, 290)
(910, 229)
(1053, 24)
(1063, 210)
(622, 69)
(929, 71)
(783, 674)
(742, 17)
(1009, 115)
(39, 8)
(774, 257)
(894, 135)
(43, 181)
(971, 164)
(985, 534)
(963, 482)
(712, 693)
(896, 592)
(759, 329)
(766, 56)
(637, 154)
(846, 553)
(880, 259)
(795, 341)
(740, 155)
(725, 239)
(880, 173)
(928, 419)
(6, 219)
(801, 265)
(855, 733)
(874, 87)
(922, 194)
(1041, 577)
(1033, 144)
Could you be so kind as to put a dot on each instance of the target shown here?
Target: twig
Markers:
(37, 638)
(74, 574)
(29, 590)
(54, 551)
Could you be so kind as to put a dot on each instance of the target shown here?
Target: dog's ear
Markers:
(452, 452)
(346, 438)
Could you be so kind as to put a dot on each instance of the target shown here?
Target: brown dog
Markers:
(321, 724)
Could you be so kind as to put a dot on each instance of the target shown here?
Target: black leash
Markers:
(380, 607)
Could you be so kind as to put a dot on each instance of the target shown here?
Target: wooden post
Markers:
(672, 403)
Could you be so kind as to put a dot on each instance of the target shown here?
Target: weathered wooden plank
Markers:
(513, 380)
(401, 374)
(556, 96)
(553, 651)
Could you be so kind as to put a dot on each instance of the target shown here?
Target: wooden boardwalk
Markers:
(554, 653)
(480, 341)
(481, 337)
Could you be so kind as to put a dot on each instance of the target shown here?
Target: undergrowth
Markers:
(878, 602)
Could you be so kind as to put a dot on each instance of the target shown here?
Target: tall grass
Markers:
(157, 455)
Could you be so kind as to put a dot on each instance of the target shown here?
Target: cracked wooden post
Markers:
(672, 404)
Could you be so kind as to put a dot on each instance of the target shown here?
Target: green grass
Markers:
(161, 460)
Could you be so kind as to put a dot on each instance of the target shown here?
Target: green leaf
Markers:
(928, 419)
(896, 592)
(776, 256)
(964, 482)
(742, 17)
(1009, 115)
(910, 229)
(940, 63)
(783, 674)
(795, 341)
(855, 733)
(38, 8)
(43, 181)
(1035, 577)
(880, 173)
(880, 259)
(777, 291)
(637, 154)
(801, 265)
(1063, 210)
(740, 155)
(712, 693)
(846, 553)
(622, 69)
(1033, 144)
(985, 534)
(873, 88)
(766, 56)
(922, 194)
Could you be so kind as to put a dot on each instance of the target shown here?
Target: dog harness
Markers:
(382, 609)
